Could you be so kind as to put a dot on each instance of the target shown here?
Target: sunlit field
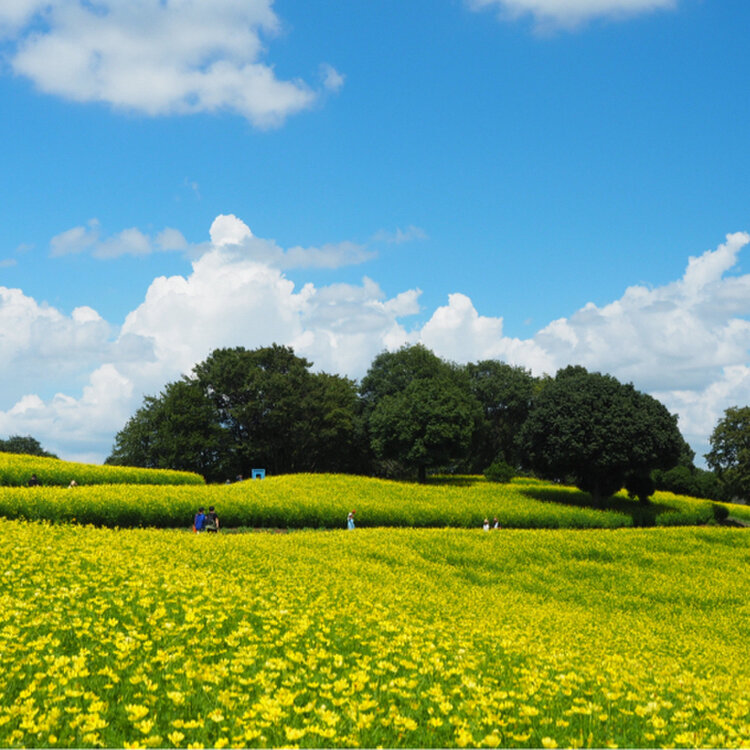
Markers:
(16, 470)
(323, 501)
(393, 637)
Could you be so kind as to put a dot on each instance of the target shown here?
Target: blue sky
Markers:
(525, 180)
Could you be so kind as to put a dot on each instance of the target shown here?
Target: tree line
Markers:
(411, 414)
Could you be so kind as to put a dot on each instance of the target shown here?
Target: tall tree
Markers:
(600, 432)
(282, 416)
(244, 409)
(505, 393)
(729, 456)
(419, 409)
(178, 429)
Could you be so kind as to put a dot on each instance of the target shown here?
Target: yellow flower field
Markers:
(323, 500)
(16, 470)
(394, 637)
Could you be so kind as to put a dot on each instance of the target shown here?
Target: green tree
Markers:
(505, 393)
(419, 409)
(24, 444)
(243, 409)
(178, 429)
(599, 432)
(281, 416)
(729, 456)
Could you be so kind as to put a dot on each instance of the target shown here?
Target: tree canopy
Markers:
(599, 432)
(729, 456)
(241, 409)
(24, 444)
(505, 393)
(178, 429)
(244, 409)
(419, 409)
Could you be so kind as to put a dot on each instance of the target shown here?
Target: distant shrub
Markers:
(721, 512)
(499, 471)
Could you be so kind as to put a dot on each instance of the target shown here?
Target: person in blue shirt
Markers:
(350, 520)
(200, 520)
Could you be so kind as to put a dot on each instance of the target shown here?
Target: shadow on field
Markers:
(642, 514)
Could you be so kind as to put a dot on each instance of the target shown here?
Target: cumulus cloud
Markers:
(157, 57)
(569, 13)
(687, 342)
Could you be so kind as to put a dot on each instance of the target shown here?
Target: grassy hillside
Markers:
(393, 637)
(16, 470)
(323, 501)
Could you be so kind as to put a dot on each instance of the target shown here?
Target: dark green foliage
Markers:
(505, 393)
(247, 409)
(689, 480)
(499, 471)
(179, 429)
(729, 456)
(721, 512)
(281, 416)
(419, 410)
(600, 432)
(640, 485)
(27, 445)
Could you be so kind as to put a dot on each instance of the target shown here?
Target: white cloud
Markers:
(410, 234)
(131, 241)
(457, 332)
(229, 299)
(687, 342)
(227, 229)
(232, 233)
(679, 336)
(569, 13)
(157, 57)
(332, 79)
(14, 14)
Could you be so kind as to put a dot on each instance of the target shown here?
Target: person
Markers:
(496, 524)
(200, 520)
(72, 484)
(350, 520)
(486, 524)
(33, 481)
(212, 520)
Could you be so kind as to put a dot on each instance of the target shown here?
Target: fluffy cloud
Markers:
(228, 231)
(687, 342)
(156, 57)
(569, 13)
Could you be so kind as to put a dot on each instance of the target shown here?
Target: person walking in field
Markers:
(350, 520)
(496, 524)
(33, 481)
(486, 524)
(199, 521)
(212, 521)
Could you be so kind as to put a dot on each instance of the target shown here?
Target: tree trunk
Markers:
(596, 494)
